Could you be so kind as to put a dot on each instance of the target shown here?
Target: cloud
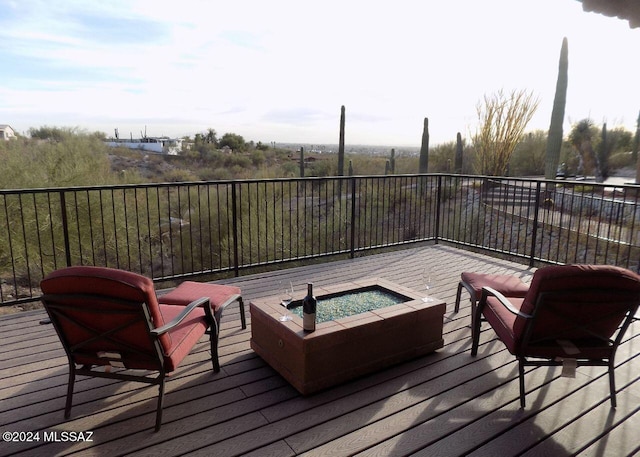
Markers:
(284, 68)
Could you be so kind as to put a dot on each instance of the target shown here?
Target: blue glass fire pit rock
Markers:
(351, 303)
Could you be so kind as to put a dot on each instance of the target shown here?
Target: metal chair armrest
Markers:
(504, 301)
(227, 302)
(180, 317)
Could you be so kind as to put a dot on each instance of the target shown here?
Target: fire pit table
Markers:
(346, 347)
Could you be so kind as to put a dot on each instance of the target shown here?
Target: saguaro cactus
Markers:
(392, 162)
(458, 159)
(634, 152)
(423, 166)
(554, 140)
(341, 144)
(602, 156)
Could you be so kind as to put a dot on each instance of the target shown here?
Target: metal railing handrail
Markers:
(176, 230)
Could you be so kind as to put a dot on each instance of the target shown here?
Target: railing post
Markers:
(65, 228)
(534, 233)
(353, 216)
(234, 218)
(438, 207)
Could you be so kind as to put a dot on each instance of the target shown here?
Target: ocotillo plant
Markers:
(554, 140)
(423, 166)
(502, 119)
(341, 144)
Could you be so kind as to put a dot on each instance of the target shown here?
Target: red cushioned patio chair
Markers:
(574, 314)
(220, 296)
(508, 285)
(110, 322)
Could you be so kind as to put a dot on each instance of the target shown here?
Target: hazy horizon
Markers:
(280, 71)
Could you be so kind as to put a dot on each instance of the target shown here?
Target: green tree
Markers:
(51, 133)
(620, 139)
(442, 157)
(76, 159)
(211, 137)
(234, 141)
(582, 138)
(260, 146)
(528, 158)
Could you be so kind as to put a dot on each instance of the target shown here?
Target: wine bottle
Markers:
(309, 310)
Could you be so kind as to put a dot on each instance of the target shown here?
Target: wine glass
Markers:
(286, 297)
(426, 279)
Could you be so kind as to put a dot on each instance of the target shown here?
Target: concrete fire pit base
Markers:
(349, 347)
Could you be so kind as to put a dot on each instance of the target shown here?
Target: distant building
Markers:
(159, 145)
(6, 132)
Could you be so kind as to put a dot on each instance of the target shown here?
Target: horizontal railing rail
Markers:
(172, 231)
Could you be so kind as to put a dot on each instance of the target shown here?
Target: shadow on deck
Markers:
(445, 403)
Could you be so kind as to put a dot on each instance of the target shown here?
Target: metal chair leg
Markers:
(475, 330)
(612, 384)
(72, 379)
(243, 319)
(457, 307)
(160, 401)
(521, 379)
(213, 342)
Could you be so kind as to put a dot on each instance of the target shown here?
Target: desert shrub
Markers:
(289, 169)
(442, 158)
(237, 161)
(621, 160)
(321, 168)
(528, 158)
(215, 174)
(180, 175)
(75, 160)
(257, 158)
(364, 165)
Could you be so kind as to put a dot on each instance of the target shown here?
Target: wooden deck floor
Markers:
(447, 403)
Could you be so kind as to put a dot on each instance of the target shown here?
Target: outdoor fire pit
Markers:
(391, 325)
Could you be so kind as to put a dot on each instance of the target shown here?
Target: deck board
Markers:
(446, 403)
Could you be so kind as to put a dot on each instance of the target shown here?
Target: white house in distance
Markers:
(159, 145)
(6, 132)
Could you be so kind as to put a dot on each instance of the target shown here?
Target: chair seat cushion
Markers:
(508, 285)
(184, 336)
(504, 323)
(189, 291)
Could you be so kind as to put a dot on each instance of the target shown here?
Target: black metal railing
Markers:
(171, 231)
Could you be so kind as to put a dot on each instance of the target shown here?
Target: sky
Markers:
(279, 70)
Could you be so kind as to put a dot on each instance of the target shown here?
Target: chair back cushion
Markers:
(85, 302)
(578, 302)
